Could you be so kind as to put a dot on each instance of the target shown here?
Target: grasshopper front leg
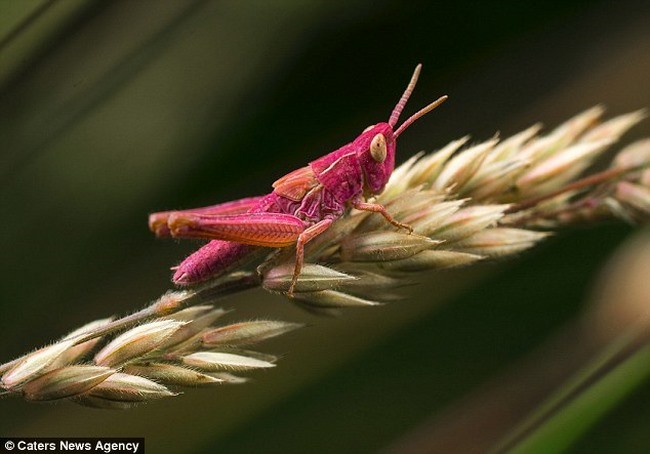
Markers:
(377, 208)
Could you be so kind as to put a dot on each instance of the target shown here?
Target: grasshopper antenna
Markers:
(394, 116)
(419, 114)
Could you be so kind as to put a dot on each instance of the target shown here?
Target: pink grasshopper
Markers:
(303, 204)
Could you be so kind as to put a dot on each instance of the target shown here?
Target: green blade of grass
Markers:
(575, 417)
(572, 387)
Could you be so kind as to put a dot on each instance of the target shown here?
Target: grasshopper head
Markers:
(376, 144)
(376, 155)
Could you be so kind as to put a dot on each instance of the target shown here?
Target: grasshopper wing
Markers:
(296, 184)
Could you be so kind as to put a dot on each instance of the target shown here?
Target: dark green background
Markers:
(112, 110)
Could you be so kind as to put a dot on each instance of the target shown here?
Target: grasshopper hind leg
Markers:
(309, 234)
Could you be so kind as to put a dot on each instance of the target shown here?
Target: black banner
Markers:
(58, 445)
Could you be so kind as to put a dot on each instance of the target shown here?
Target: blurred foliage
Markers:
(110, 110)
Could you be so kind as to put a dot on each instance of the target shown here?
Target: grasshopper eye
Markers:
(378, 148)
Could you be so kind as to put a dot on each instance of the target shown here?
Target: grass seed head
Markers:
(33, 364)
(136, 342)
(171, 374)
(129, 388)
(245, 333)
(219, 361)
(66, 382)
